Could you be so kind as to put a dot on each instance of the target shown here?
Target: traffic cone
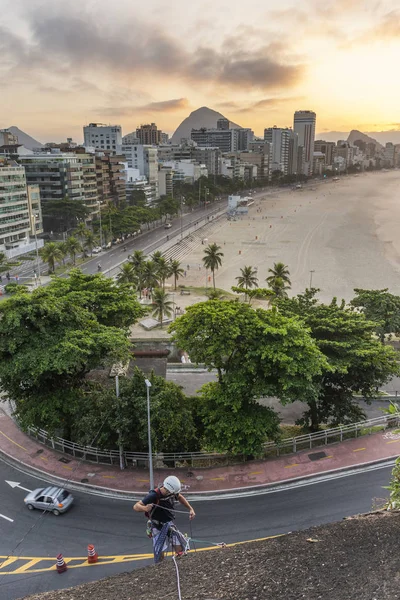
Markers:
(92, 554)
(61, 564)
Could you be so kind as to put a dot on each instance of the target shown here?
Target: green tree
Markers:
(90, 242)
(150, 274)
(64, 251)
(73, 247)
(60, 215)
(176, 270)
(53, 337)
(247, 278)
(356, 362)
(51, 253)
(162, 306)
(127, 275)
(2, 258)
(212, 259)
(81, 231)
(163, 270)
(381, 307)
(255, 353)
(279, 271)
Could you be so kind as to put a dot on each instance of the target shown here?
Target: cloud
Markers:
(130, 111)
(83, 44)
(267, 103)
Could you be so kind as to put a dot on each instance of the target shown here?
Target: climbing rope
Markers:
(177, 578)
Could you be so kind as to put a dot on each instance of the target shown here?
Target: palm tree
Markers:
(73, 247)
(163, 270)
(248, 278)
(176, 270)
(137, 259)
(128, 275)
(150, 274)
(212, 259)
(89, 242)
(81, 231)
(161, 305)
(51, 254)
(64, 251)
(281, 271)
(279, 287)
(157, 256)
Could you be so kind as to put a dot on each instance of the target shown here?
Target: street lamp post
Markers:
(101, 233)
(182, 198)
(148, 386)
(311, 274)
(34, 217)
(121, 451)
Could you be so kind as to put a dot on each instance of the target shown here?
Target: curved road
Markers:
(115, 529)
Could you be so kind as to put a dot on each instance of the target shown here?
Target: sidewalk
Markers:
(16, 447)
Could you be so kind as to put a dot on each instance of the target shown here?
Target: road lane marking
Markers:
(7, 518)
(359, 449)
(217, 479)
(8, 561)
(290, 466)
(19, 446)
(16, 484)
(81, 561)
(65, 467)
(256, 473)
(393, 442)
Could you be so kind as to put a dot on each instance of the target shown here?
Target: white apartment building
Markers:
(145, 159)
(191, 170)
(103, 137)
(304, 126)
(17, 210)
(278, 139)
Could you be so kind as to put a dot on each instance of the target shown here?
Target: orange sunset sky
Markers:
(67, 63)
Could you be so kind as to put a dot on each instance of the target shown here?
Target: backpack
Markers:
(159, 496)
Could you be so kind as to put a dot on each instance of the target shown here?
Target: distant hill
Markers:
(355, 135)
(382, 137)
(25, 139)
(202, 117)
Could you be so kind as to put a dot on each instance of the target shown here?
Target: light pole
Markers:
(101, 233)
(311, 274)
(117, 370)
(182, 198)
(34, 217)
(148, 386)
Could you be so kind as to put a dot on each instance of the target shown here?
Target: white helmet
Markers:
(172, 484)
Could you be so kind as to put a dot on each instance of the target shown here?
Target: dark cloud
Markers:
(135, 48)
(129, 111)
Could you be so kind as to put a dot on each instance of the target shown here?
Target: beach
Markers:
(343, 234)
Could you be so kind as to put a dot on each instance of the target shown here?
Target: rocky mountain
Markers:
(358, 135)
(380, 137)
(202, 117)
(25, 139)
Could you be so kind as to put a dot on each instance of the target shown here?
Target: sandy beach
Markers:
(346, 232)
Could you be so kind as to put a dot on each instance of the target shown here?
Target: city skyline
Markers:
(157, 63)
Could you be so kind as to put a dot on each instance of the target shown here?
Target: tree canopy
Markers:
(50, 339)
(381, 307)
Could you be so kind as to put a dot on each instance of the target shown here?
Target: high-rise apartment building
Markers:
(224, 139)
(7, 138)
(223, 124)
(145, 159)
(293, 153)
(278, 139)
(304, 126)
(326, 148)
(17, 210)
(103, 137)
(149, 134)
(110, 178)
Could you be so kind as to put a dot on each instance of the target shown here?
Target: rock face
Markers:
(25, 139)
(355, 135)
(202, 117)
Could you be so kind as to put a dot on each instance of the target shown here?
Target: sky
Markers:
(65, 63)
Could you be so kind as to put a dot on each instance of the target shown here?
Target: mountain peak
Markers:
(201, 117)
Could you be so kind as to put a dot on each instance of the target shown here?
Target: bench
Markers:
(185, 293)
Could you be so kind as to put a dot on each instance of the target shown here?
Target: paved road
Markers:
(116, 530)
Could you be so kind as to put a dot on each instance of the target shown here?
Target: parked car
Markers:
(53, 499)
(96, 250)
(167, 226)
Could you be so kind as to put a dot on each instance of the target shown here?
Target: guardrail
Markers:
(206, 459)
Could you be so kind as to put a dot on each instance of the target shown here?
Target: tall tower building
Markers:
(304, 126)
(278, 139)
(103, 137)
(148, 134)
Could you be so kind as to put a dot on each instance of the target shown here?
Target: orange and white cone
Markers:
(61, 564)
(92, 554)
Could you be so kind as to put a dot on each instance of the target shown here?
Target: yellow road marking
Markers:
(7, 562)
(108, 476)
(217, 479)
(393, 442)
(290, 466)
(81, 561)
(43, 458)
(19, 446)
(145, 480)
(65, 467)
(325, 457)
(358, 449)
(256, 473)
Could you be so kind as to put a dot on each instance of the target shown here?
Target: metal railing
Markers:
(206, 459)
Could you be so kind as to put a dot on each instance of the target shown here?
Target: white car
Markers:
(96, 250)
